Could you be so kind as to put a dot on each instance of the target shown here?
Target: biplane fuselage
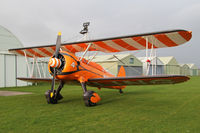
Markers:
(74, 69)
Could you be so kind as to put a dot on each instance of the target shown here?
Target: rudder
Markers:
(122, 72)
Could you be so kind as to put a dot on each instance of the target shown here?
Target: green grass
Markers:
(140, 109)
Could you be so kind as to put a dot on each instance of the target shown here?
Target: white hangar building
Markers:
(11, 65)
(156, 66)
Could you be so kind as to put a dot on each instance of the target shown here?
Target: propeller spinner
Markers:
(55, 63)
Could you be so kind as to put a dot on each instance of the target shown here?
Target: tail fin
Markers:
(121, 72)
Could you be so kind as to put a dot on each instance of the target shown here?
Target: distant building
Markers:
(171, 66)
(193, 69)
(11, 65)
(156, 66)
(184, 69)
(112, 64)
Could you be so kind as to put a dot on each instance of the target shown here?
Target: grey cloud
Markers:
(37, 22)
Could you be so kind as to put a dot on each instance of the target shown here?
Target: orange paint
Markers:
(71, 48)
(105, 46)
(54, 62)
(165, 40)
(45, 51)
(33, 52)
(95, 98)
(142, 41)
(22, 53)
(187, 35)
(122, 72)
(81, 72)
(124, 44)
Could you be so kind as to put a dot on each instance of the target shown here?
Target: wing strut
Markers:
(150, 59)
(29, 71)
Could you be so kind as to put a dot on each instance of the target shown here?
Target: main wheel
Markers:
(50, 97)
(91, 98)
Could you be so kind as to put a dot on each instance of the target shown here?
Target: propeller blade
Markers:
(58, 43)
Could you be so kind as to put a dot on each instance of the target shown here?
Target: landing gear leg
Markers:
(53, 97)
(90, 97)
(120, 91)
(58, 95)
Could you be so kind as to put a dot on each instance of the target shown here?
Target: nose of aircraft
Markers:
(55, 63)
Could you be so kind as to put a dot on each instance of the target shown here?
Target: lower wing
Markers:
(136, 80)
(111, 82)
(49, 80)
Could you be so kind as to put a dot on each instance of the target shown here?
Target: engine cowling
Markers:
(65, 63)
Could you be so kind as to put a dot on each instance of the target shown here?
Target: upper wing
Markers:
(117, 44)
(139, 80)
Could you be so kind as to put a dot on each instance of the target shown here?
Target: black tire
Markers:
(50, 100)
(87, 95)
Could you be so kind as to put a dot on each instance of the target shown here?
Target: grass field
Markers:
(140, 109)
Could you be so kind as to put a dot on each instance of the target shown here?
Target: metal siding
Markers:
(21, 70)
(10, 70)
(111, 67)
(2, 76)
(132, 70)
(194, 72)
(184, 70)
(35, 71)
(45, 72)
(126, 60)
(172, 70)
(159, 70)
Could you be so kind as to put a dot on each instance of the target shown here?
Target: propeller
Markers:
(58, 44)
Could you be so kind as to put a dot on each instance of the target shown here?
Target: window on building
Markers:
(131, 60)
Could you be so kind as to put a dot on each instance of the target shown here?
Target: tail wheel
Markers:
(91, 98)
(50, 96)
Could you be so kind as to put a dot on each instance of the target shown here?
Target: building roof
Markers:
(192, 66)
(184, 66)
(168, 60)
(8, 40)
(152, 59)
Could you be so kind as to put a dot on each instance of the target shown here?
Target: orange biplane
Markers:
(67, 68)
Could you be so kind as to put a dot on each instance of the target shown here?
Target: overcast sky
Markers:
(36, 22)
